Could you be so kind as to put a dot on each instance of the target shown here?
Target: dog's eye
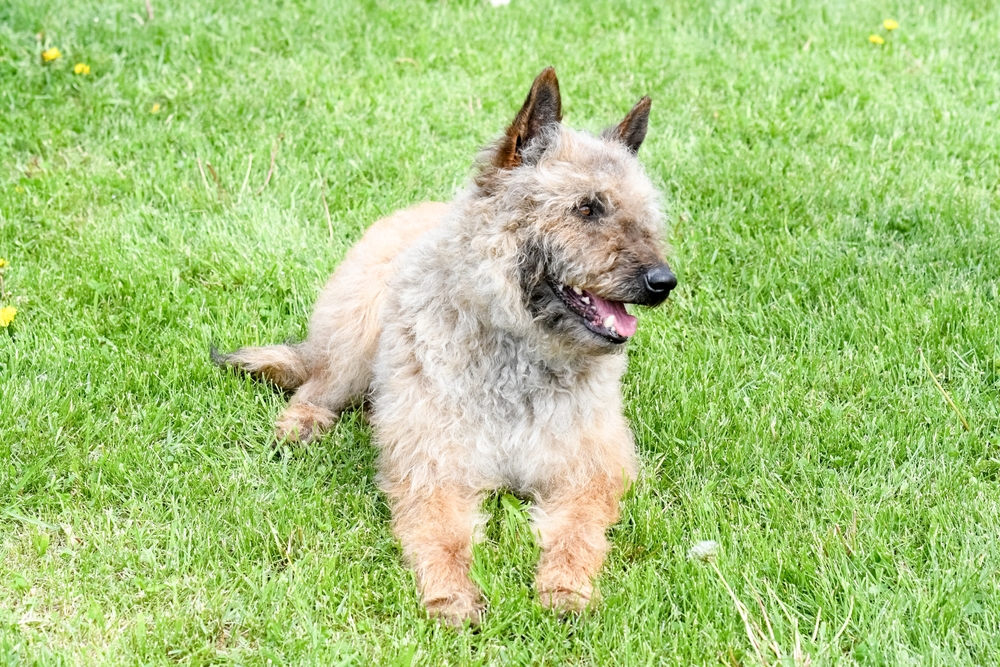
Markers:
(589, 209)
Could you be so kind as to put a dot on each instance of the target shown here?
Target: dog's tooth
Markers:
(609, 322)
(585, 299)
(577, 291)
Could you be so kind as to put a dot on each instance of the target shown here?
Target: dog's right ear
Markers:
(542, 108)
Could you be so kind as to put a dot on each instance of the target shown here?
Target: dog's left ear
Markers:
(632, 130)
(542, 108)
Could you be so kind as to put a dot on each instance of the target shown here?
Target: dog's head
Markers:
(581, 217)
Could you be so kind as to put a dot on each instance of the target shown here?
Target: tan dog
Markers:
(489, 335)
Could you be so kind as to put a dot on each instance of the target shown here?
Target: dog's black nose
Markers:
(660, 280)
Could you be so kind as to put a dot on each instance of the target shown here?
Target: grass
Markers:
(834, 218)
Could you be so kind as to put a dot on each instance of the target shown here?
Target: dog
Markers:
(488, 336)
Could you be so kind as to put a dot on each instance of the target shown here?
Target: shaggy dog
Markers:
(489, 336)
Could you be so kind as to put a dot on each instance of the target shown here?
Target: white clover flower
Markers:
(704, 551)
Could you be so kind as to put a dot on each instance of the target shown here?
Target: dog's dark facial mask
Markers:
(584, 315)
(608, 318)
(584, 318)
(571, 311)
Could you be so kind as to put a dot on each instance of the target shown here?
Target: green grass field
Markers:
(834, 213)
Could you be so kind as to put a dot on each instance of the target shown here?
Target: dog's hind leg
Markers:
(323, 383)
(336, 383)
(342, 340)
(344, 329)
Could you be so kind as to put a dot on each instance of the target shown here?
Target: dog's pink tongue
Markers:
(625, 324)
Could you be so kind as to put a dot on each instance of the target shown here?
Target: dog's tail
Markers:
(282, 365)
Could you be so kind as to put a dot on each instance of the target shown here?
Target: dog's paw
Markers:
(456, 610)
(567, 600)
(302, 423)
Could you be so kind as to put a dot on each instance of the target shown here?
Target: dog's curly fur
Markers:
(480, 332)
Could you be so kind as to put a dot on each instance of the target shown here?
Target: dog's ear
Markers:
(632, 130)
(542, 108)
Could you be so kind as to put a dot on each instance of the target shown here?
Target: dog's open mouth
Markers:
(607, 319)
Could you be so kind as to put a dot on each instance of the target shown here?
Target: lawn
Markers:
(819, 396)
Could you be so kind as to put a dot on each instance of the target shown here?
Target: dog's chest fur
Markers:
(492, 404)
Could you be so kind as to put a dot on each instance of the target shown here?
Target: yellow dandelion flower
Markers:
(155, 108)
(876, 39)
(81, 68)
(7, 314)
(889, 24)
(48, 55)
(3, 262)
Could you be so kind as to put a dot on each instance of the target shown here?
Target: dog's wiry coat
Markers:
(488, 336)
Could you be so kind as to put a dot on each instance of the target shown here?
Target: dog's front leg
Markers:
(435, 526)
(571, 523)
